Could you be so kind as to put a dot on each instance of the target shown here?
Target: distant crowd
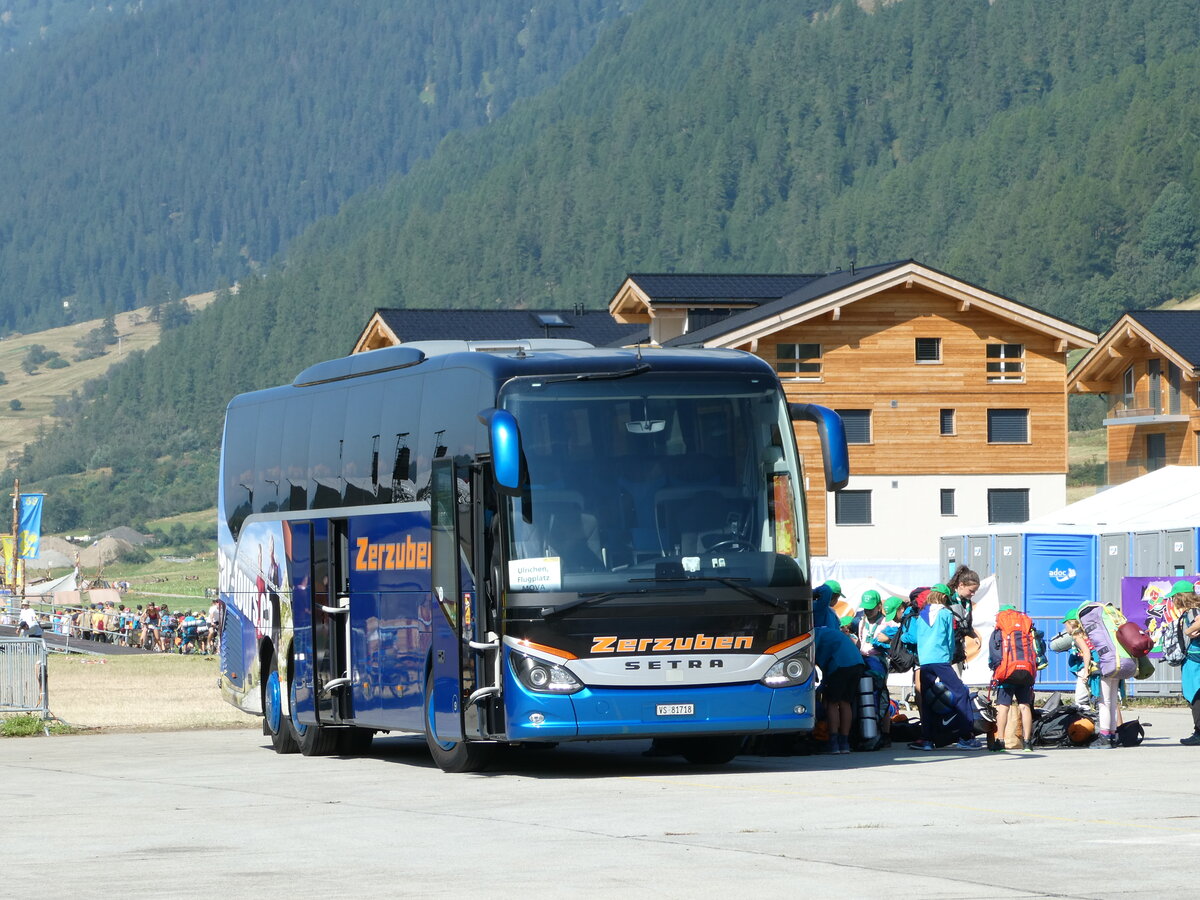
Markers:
(153, 627)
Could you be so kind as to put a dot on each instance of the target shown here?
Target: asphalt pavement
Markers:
(218, 814)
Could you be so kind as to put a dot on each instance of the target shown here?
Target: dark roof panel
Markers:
(684, 288)
(1179, 329)
(814, 288)
(594, 326)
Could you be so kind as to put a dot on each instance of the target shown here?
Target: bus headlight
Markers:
(789, 671)
(543, 677)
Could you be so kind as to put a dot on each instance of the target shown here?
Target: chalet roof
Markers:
(1173, 334)
(407, 325)
(822, 294)
(812, 288)
(711, 289)
(1179, 329)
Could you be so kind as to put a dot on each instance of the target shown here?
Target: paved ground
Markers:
(216, 813)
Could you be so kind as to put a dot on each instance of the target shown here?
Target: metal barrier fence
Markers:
(24, 685)
(1058, 677)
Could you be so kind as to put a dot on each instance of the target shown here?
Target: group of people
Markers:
(153, 627)
(928, 633)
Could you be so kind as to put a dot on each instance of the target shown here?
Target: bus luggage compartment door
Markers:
(446, 674)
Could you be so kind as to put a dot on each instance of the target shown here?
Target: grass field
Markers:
(145, 692)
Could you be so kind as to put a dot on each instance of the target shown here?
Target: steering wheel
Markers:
(732, 544)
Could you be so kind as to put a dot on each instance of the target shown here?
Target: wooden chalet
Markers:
(954, 398)
(1147, 366)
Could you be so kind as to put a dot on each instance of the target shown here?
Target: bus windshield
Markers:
(655, 477)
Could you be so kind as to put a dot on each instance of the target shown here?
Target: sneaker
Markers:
(1029, 746)
(843, 744)
(1192, 741)
(969, 744)
(1102, 742)
(921, 745)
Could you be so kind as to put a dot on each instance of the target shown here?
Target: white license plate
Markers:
(676, 709)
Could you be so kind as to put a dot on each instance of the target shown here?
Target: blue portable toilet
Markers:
(1059, 571)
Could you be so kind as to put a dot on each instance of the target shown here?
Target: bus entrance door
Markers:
(331, 622)
(447, 685)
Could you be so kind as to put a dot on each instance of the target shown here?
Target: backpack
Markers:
(1100, 621)
(901, 656)
(1131, 733)
(1018, 658)
(1135, 641)
(1052, 723)
(1174, 647)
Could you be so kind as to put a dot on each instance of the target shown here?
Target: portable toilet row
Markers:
(1043, 570)
(1047, 570)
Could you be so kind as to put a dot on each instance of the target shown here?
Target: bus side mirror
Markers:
(505, 440)
(834, 452)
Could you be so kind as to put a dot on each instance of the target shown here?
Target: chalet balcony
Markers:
(1144, 407)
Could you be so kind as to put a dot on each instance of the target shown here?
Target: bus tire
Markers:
(712, 751)
(452, 756)
(312, 740)
(276, 723)
(355, 741)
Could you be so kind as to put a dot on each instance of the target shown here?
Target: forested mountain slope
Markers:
(185, 145)
(1043, 150)
(26, 24)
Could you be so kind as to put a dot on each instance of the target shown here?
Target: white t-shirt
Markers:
(29, 617)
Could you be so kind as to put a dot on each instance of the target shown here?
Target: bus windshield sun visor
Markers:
(639, 369)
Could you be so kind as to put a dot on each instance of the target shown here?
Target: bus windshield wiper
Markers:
(735, 583)
(590, 599)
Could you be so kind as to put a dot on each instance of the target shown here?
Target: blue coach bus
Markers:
(516, 543)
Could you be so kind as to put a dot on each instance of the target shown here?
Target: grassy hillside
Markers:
(40, 391)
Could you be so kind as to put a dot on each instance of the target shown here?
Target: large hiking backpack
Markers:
(1100, 621)
(1174, 646)
(1018, 656)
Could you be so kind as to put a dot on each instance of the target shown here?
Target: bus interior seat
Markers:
(693, 519)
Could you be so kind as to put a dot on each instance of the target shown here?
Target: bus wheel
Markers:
(313, 740)
(712, 751)
(452, 756)
(355, 741)
(275, 722)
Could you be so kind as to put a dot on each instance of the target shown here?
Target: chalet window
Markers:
(1154, 376)
(1008, 505)
(1156, 451)
(1128, 381)
(1005, 362)
(947, 501)
(1173, 392)
(929, 350)
(852, 508)
(799, 360)
(858, 425)
(1008, 426)
(946, 421)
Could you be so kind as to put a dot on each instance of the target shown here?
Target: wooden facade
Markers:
(1145, 367)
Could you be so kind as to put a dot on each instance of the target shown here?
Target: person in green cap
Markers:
(869, 615)
(1013, 661)
(1079, 659)
(1186, 606)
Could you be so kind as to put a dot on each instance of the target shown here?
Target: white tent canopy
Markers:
(1166, 498)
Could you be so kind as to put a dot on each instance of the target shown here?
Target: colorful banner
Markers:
(1143, 601)
(30, 527)
(10, 560)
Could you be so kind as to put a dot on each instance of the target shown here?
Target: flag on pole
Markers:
(10, 559)
(30, 527)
